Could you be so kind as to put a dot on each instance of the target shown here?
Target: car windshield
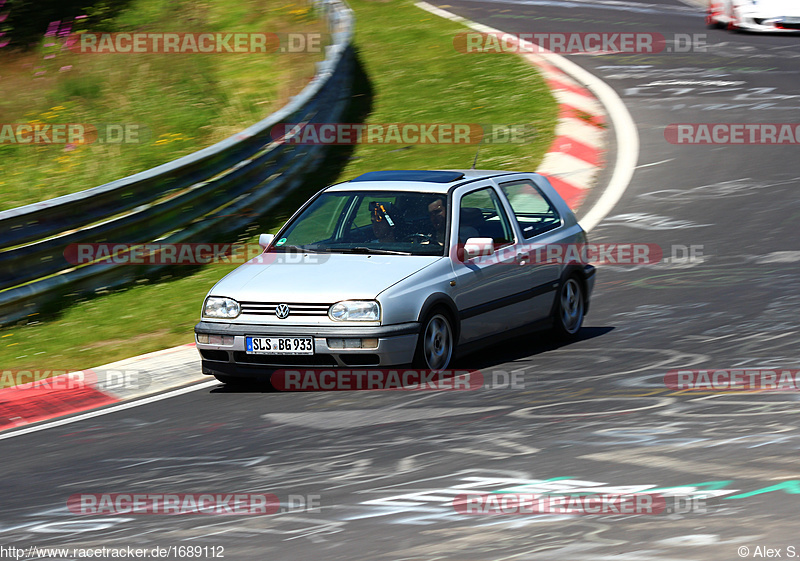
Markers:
(379, 222)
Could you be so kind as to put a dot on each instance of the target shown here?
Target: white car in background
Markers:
(781, 16)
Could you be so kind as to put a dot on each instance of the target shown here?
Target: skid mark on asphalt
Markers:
(369, 417)
(645, 221)
(712, 191)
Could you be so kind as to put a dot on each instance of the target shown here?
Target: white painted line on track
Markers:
(106, 411)
(654, 163)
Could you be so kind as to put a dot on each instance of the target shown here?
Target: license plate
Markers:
(280, 345)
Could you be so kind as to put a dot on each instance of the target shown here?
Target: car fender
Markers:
(444, 300)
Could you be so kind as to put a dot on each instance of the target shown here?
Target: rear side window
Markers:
(534, 212)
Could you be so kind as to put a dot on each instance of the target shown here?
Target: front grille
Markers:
(360, 360)
(285, 360)
(210, 354)
(296, 309)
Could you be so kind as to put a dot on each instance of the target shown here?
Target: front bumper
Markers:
(754, 27)
(396, 346)
(763, 23)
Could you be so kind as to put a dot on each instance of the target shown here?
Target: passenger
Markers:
(438, 214)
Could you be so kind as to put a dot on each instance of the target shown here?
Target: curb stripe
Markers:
(577, 149)
(22, 406)
(572, 195)
(559, 84)
(570, 112)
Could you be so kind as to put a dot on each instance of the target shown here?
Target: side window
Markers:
(534, 213)
(481, 215)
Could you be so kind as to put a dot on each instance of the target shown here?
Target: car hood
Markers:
(318, 277)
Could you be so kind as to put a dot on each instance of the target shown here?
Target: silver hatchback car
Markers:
(400, 268)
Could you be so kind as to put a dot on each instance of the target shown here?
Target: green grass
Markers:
(416, 76)
(179, 102)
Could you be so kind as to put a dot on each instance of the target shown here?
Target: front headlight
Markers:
(355, 310)
(222, 308)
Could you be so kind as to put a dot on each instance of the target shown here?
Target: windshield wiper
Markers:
(297, 249)
(362, 249)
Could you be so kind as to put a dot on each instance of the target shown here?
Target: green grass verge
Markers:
(416, 76)
(175, 103)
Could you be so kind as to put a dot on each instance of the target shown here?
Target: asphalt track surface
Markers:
(386, 465)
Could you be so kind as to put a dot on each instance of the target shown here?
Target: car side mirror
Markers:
(265, 239)
(478, 246)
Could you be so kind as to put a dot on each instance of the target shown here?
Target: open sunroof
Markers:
(412, 175)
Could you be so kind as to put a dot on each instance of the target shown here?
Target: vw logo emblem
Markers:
(282, 311)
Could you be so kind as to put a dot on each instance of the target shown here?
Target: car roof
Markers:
(428, 181)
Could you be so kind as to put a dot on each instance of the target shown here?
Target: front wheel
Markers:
(436, 342)
(569, 309)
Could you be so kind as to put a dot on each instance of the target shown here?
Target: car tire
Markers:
(436, 342)
(569, 309)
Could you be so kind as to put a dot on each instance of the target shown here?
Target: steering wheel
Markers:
(418, 237)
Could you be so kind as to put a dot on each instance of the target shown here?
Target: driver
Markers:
(383, 226)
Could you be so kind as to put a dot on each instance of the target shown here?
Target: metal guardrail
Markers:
(212, 192)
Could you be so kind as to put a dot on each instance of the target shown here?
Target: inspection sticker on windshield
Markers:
(280, 345)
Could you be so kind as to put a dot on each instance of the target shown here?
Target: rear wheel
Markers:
(436, 342)
(570, 308)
